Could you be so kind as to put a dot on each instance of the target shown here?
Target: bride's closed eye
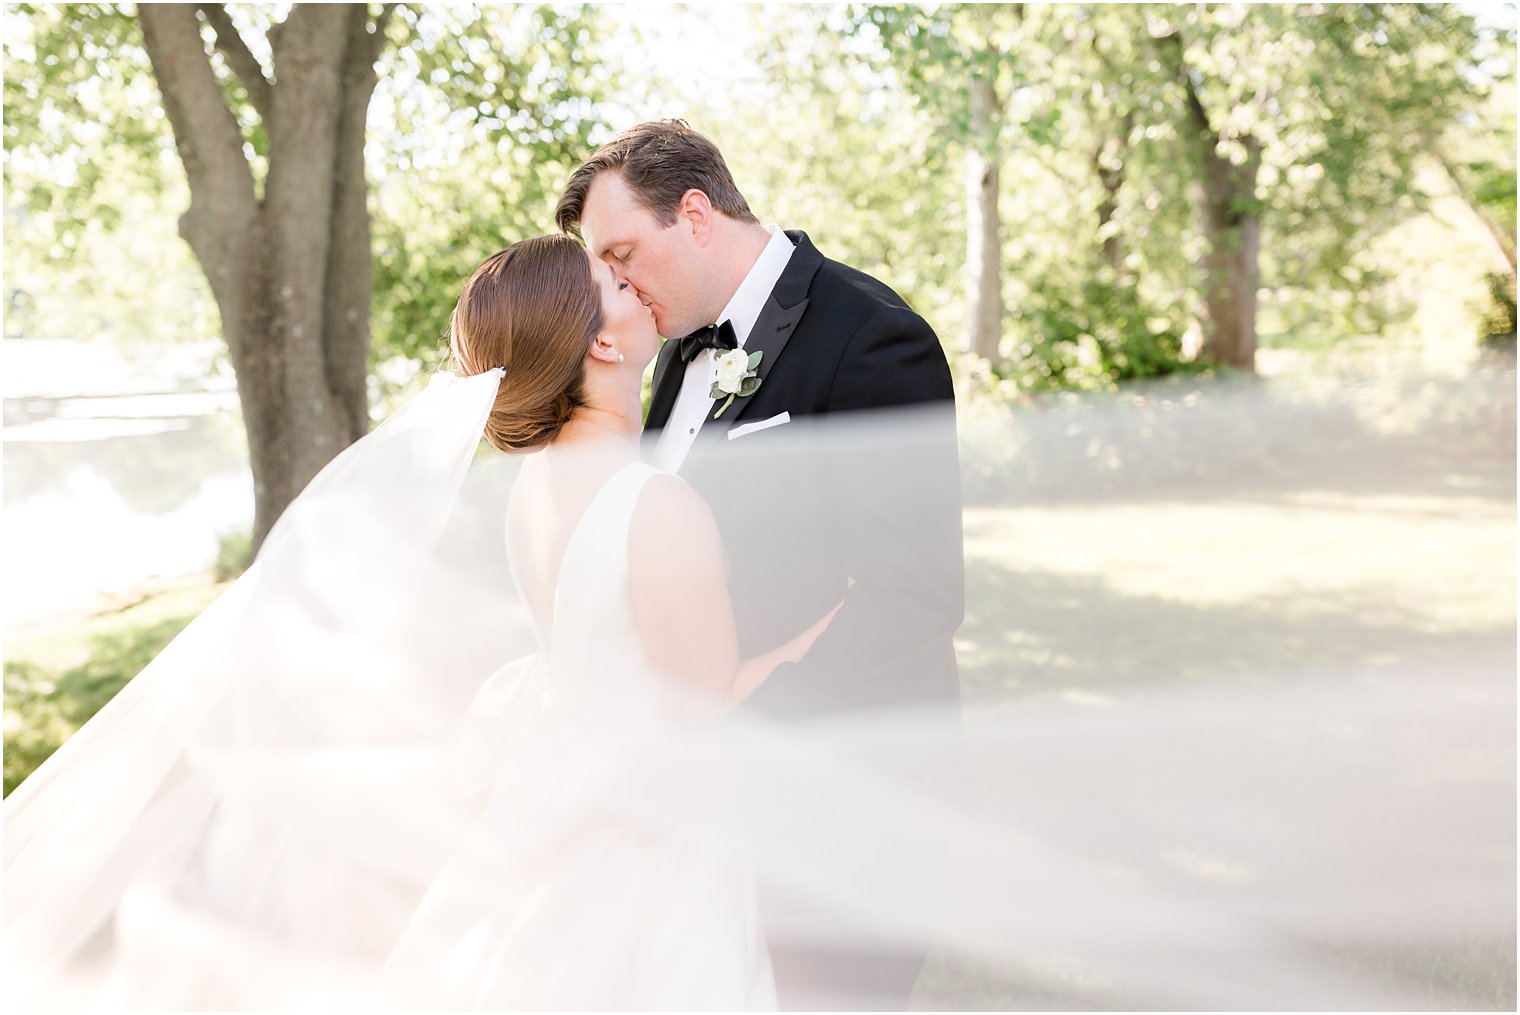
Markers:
(622, 286)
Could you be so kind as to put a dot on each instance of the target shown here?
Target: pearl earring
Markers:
(620, 357)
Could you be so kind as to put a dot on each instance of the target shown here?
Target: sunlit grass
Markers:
(1115, 597)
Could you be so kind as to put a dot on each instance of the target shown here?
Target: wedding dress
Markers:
(372, 777)
(603, 874)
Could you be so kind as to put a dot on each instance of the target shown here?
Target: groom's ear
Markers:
(696, 213)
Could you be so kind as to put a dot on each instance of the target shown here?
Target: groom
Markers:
(875, 525)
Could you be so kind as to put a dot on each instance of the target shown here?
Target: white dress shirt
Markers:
(694, 405)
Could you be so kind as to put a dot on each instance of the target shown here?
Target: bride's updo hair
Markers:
(532, 309)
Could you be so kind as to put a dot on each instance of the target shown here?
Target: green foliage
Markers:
(1478, 155)
(1497, 319)
(1345, 102)
(937, 49)
(1099, 166)
(91, 178)
(1100, 333)
(1074, 96)
(489, 110)
(1494, 189)
(234, 552)
(857, 166)
(82, 119)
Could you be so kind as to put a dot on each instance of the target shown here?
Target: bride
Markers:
(330, 790)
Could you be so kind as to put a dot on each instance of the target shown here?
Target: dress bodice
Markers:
(592, 631)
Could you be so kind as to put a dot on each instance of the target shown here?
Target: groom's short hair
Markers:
(660, 161)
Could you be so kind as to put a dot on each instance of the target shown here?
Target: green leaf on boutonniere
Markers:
(747, 385)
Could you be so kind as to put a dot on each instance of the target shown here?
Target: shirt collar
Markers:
(744, 307)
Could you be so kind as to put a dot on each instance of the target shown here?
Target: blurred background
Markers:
(1229, 291)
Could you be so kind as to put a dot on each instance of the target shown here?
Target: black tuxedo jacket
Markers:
(811, 518)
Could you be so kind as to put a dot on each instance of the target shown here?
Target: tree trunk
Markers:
(984, 228)
(350, 268)
(290, 272)
(1108, 162)
(1231, 226)
(1231, 273)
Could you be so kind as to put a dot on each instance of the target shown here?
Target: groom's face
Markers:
(663, 264)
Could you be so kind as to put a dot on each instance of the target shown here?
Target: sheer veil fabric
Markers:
(269, 752)
(371, 776)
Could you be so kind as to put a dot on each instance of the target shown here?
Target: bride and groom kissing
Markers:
(259, 814)
(658, 207)
(855, 542)
(844, 578)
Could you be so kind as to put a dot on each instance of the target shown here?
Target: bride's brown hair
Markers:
(532, 309)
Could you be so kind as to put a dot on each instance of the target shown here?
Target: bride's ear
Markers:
(604, 350)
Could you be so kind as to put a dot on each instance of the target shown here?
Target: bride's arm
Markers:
(680, 592)
(681, 601)
(754, 672)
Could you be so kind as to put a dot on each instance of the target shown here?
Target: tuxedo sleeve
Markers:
(893, 477)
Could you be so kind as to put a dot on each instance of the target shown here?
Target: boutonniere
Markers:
(736, 377)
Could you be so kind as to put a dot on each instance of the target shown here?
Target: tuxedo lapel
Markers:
(773, 329)
(665, 385)
(787, 303)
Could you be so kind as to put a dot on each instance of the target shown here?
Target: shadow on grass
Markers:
(45, 705)
(1036, 634)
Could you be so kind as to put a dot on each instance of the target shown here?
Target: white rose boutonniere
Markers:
(736, 377)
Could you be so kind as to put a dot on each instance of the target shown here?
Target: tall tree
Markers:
(963, 62)
(289, 267)
(1305, 122)
(1229, 219)
(984, 222)
(1103, 302)
(1023, 90)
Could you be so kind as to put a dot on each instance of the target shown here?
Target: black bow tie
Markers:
(714, 336)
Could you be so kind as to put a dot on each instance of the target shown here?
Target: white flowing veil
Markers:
(316, 648)
(1309, 804)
